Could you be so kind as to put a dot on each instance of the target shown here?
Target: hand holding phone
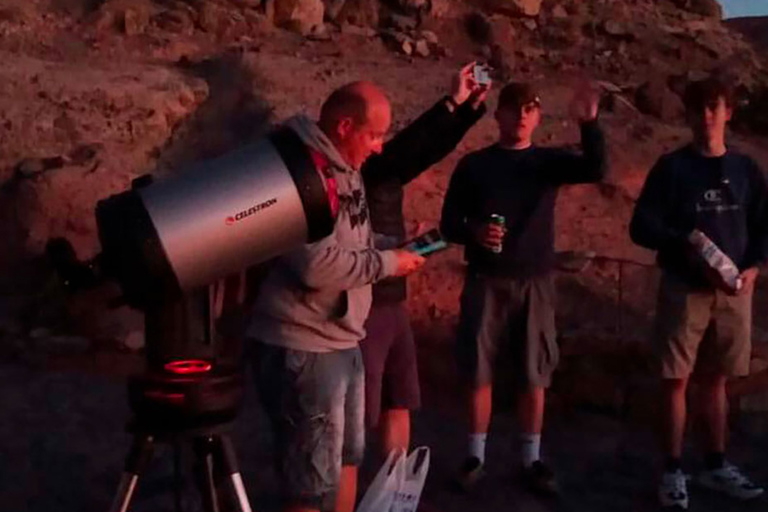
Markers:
(481, 74)
(428, 243)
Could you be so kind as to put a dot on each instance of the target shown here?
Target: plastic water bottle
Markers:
(716, 259)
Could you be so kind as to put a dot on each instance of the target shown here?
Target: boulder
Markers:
(708, 8)
(73, 134)
(298, 15)
(656, 99)
(363, 13)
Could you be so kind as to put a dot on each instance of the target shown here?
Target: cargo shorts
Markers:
(315, 402)
(508, 325)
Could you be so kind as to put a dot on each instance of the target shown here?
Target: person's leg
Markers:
(353, 448)
(311, 421)
(531, 419)
(682, 317)
(483, 318)
(714, 407)
(726, 353)
(674, 413)
(535, 337)
(400, 390)
(375, 349)
(345, 498)
(395, 430)
(480, 410)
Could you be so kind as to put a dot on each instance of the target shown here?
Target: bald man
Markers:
(310, 312)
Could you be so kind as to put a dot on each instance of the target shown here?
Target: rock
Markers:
(319, 33)
(502, 62)
(221, 21)
(618, 30)
(752, 114)
(135, 21)
(430, 37)
(403, 23)
(677, 83)
(406, 47)
(441, 8)
(478, 27)
(529, 8)
(422, 48)
(355, 30)
(656, 99)
(559, 12)
(130, 111)
(414, 6)
(531, 53)
(175, 21)
(530, 24)
(708, 8)
(299, 15)
(30, 167)
(363, 13)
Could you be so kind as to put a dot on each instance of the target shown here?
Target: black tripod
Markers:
(215, 455)
(189, 395)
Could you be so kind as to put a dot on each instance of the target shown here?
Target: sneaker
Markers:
(539, 479)
(470, 473)
(673, 491)
(731, 481)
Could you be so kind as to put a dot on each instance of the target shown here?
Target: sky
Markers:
(736, 8)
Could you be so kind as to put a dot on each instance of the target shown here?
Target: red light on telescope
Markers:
(188, 366)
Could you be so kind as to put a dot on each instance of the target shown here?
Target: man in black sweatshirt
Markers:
(507, 306)
(389, 352)
(705, 187)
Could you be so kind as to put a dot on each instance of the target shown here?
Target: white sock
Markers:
(477, 446)
(531, 447)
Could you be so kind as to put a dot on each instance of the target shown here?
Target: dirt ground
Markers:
(64, 441)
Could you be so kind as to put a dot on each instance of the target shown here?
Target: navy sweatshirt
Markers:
(412, 151)
(522, 186)
(724, 197)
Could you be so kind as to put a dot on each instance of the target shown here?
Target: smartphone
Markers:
(481, 74)
(428, 243)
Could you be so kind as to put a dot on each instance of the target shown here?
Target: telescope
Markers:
(164, 242)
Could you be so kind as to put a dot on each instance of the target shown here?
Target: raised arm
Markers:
(432, 136)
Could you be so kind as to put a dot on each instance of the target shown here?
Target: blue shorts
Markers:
(316, 403)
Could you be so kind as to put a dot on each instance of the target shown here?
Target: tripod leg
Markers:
(137, 460)
(177, 479)
(204, 448)
(229, 460)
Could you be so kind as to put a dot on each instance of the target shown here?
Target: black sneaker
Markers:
(540, 480)
(470, 473)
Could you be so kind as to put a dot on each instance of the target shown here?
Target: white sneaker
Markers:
(731, 481)
(673, 490)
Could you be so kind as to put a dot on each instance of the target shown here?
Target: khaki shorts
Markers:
(703, 330)
(508, 326)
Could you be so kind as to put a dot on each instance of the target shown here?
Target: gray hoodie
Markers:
(317, 297)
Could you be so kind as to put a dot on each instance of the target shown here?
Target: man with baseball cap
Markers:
(500, 205)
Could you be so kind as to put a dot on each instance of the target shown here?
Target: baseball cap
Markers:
(518, 94)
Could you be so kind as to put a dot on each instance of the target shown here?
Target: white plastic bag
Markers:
(381, 493)
(412, 483)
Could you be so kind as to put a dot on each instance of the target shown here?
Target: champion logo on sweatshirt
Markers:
(717, 200)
